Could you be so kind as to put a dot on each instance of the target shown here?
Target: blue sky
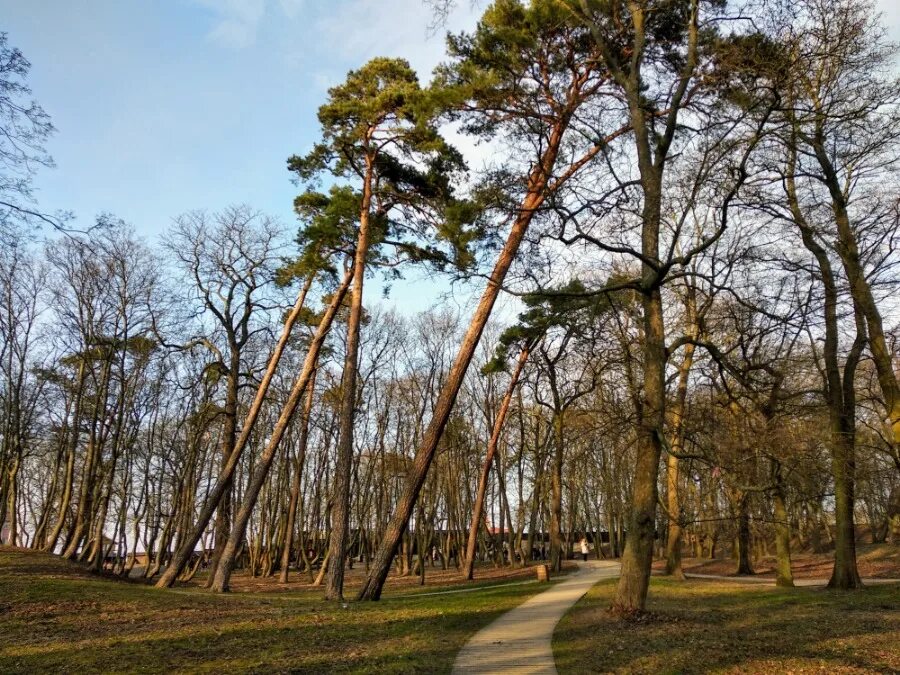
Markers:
(166, 106)
(171, 105)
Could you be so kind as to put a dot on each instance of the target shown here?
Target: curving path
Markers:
(520, 640)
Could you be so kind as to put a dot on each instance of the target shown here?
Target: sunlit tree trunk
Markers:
(673, 500)
(469, 559)
(288, 543)
(186, 548)
(261, 470)
(784, 576)
(340, 514)
(381, 563)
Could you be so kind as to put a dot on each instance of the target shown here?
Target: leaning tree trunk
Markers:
(471, 542)
(537, 188)
(261, 470)
(296, 484)
(71, 450)
(186, 549)
(535, 197)
(340, 514)
(222, 525)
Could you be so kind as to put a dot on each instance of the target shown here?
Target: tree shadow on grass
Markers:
(142, 630)
(702, 626)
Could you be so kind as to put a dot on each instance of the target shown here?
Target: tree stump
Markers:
(543, 572)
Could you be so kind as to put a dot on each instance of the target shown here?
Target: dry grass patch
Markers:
(56, 617)
(724, 627)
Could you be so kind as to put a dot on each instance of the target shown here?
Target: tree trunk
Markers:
(893, 514)
(557, 546)
(288, 543)
(861, 291)
(534, 198)
(745, 565)
(469, 560)
(631, 592)
(229, 439)
(71, 449)
(261, 471)
(783, 574)
(840, 394)
(673, 502)
(845, 574)
(186, 549)
(340, 515)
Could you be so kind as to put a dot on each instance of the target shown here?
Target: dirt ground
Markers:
(878, 561)
(241, 582)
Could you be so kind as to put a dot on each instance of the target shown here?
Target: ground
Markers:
(728, 627)
(57, 617)
(353, 579)
(873, 560)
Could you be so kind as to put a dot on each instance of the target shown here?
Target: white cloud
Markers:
(361, 29)
(237, 22)
(291, 8)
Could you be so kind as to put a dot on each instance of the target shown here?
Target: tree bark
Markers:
(840, 396)
(296, 483)
(783, 574)
(745, 564)
(471, 542)
(261, 471)
(861, 291)
(673, 501)
(340, 515)
(186, 548)
(535, 197)
(631, 592)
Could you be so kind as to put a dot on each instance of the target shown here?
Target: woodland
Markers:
(678, 256)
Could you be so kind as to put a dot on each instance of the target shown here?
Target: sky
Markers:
(166, 106)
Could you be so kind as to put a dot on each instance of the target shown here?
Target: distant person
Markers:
(584, 549)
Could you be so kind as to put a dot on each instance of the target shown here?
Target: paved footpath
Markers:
(520, 640)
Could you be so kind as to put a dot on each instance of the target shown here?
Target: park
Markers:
(523, 336)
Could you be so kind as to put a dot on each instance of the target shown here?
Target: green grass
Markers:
(703, 626)
(56, 618)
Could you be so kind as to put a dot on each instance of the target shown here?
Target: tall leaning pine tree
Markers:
(379, 134)
(531, 77)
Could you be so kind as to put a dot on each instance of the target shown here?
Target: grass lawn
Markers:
(708, 626)
(55, 617)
